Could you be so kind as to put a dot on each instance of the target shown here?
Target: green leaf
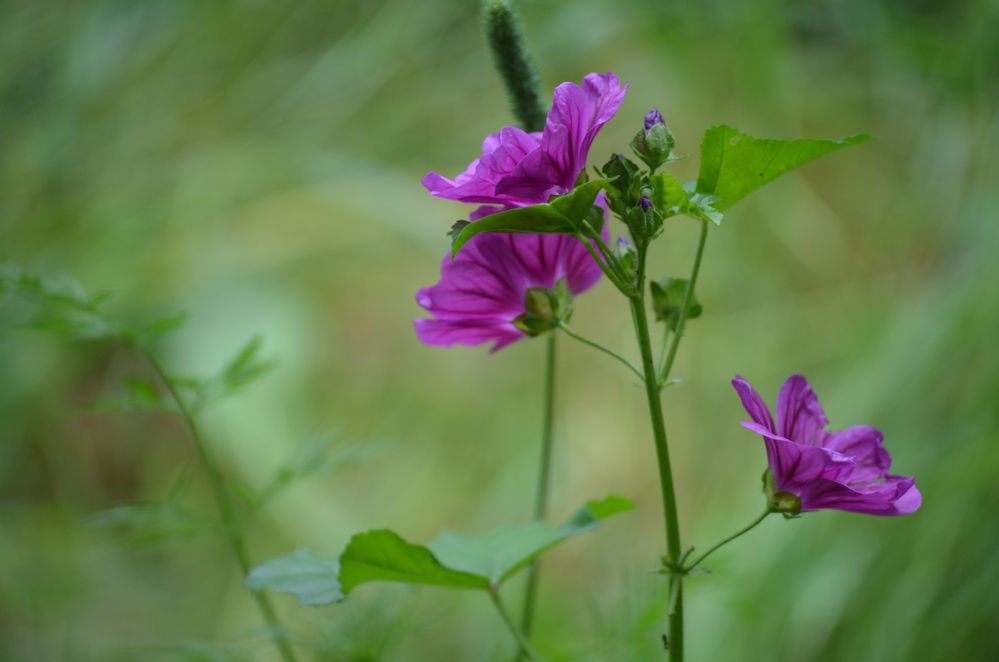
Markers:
(314, 456)
(668, 194)
(671, 198)
(461, 561)
(497, 556)
(313, 579)
(138, 395)
(734, 164)
(150, 522)
(563, 215)
(576, 204)
(243, 369)
(667, 300)
(383, 555)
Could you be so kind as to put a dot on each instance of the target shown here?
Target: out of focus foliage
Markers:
(258, 164)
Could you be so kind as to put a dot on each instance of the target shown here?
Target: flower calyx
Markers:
(785, 503)
(545, 309)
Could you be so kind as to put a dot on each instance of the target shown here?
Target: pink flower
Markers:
(519, 168)
(843, 470)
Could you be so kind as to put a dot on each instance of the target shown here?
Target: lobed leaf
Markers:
(734, 164)
(499, 555)
(383, 555)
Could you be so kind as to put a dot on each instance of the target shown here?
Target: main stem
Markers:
(230, 522)
(544, 480)
(670, 519)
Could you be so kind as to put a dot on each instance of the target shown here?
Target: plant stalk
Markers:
(544, 481)
(670, 519)
(746, 529)
(230, 522)
(692, 281)
(522, 642)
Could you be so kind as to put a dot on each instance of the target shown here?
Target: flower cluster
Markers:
(481, 292)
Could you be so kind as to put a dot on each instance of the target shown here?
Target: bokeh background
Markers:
(257, 164)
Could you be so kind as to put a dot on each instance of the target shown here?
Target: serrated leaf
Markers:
(734, 164)
(667, 301)
(313, 579)
(383, 555)
(497, 556)
(563, 215)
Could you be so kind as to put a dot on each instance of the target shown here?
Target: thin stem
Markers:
(668, 366)
(522, 642)
(752, 525)
(544, 477)
(230, 522)
(670, 518)
(662, 349)
(606, 350)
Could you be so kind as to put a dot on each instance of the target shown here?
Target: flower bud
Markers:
(652, 118)
(654, 142)
(646, 203)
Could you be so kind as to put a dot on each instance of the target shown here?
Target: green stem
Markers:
(668, 366)
(544, 477)
(606, 350)
(230, 522)
(752, 525)
(522, 642)
(670, 518)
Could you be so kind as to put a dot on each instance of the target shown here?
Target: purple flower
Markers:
(481, 292)
(844, 470)
(519, 168)
(652, 118)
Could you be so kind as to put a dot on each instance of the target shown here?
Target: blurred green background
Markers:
(257, 164)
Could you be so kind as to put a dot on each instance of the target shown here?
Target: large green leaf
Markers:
(453, 560)
(499, 555)
(313, 579)
(563, 215)
(734, 164)
(383, 555)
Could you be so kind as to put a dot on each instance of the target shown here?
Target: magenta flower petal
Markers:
(445, 333)
(519, 168)
(895, 495)
(754, 403)
(842, 470)
(481, 292)
(799, 415)
(577, 114)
